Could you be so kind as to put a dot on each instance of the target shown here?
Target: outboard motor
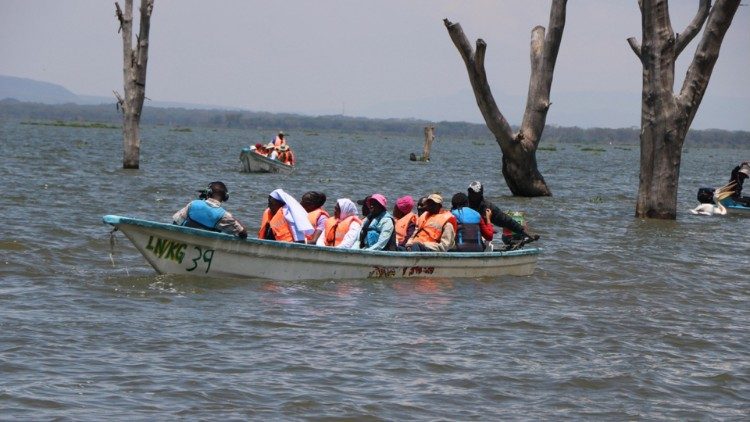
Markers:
(706, 195)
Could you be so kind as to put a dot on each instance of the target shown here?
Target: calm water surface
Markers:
(623, 320)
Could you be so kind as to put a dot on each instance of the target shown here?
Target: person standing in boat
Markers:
(406, 220)
(342, 230)
(313, 203)
(378, 228)
(436, 228)
(207, 213)
(738, 176)
(474, 231)
(285, 220)
(492, 213)
(279, 140)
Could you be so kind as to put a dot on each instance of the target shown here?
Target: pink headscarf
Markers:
(405, 204)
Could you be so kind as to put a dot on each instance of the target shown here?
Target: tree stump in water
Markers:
(429, 137)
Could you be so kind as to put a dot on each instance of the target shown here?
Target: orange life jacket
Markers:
(430, 226)
(313, 216)
(402, 225)
(286, 157)
(337, 229)
(279, 226)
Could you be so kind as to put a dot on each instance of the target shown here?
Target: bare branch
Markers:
(636, 46)
(683, 39)
(118, 13)
(474, 62)
(706, 55)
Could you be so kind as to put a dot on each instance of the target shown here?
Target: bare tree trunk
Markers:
(518, 149)
(134, 77)
(666, 117)
(429, 137)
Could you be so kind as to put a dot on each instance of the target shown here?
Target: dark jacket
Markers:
(499, 218)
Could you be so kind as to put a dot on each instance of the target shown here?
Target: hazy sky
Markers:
(383, 58)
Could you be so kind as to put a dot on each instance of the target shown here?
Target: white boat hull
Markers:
(256, 163)
(173, 249)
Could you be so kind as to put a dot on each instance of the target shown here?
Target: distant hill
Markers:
(23, 89)
(182, 117)
(32, 91)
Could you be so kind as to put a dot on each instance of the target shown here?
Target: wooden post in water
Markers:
(429, 136)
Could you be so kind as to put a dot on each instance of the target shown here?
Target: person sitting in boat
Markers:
(420, 205)
(313, 203)
(285, 155)
(738, 176)
(378, 228)
(342, 230)
(365, 204)
(473, 231)
(492, 213)
(406, 220)
(207, 213)
(279, 140)
(436, 228)
(271, 151)
(285, 220)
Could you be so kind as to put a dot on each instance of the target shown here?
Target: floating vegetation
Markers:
(593, 149)
(477, 142)
(180, 129)
(60, 123)
(596, 199)
(552, 148)
(311, 134)
(624, 148)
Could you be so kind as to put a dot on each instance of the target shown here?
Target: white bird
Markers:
(711, 209)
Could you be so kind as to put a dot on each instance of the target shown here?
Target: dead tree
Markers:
(518, 149)
(135, 59)
(666, 117)
(429, 137)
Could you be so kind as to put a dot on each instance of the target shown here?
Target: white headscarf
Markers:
(347, 207)
(294, 214)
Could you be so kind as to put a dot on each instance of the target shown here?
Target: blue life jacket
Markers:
(468, 235)
(373, 232)
(203, 216)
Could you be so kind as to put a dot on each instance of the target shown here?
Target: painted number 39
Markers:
(201, 255)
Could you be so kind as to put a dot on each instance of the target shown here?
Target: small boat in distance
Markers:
(173, 249)
(253, 162)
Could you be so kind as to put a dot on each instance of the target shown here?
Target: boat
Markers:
(257, 163)
(173, 249)
(735, 208)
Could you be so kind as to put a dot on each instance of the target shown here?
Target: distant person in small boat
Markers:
(738, 176)
(207, 213)
(436, 228)
(271, 152)
(492, 213)
(342, 230)
(313, 203)
(285, 220)
(279, 140)
(473, 229)
(406, 220)
(285, 155)
(378, 228)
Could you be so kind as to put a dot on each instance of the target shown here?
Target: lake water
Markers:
(623, 319)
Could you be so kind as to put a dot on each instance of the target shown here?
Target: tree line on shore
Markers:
(180, 117)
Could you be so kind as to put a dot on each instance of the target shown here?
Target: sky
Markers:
(380, 59)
